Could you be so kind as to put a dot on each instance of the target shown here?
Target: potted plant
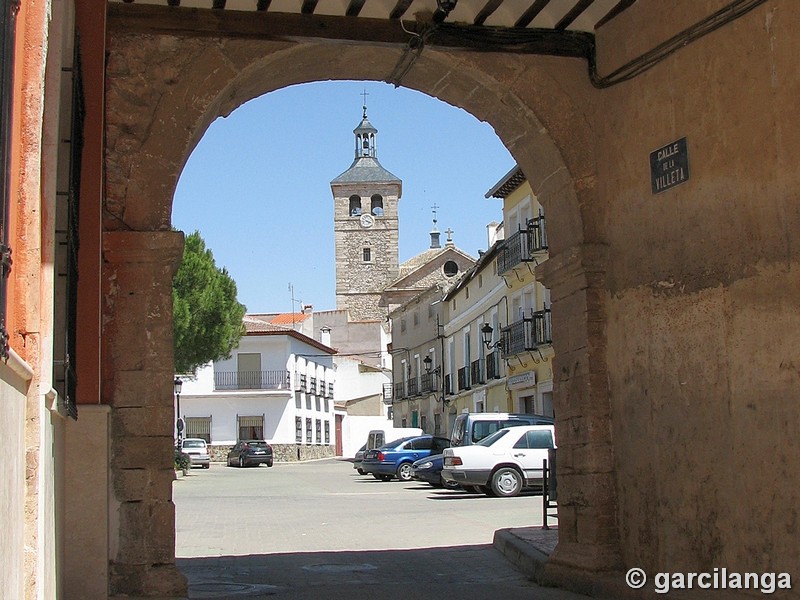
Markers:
(182, 462)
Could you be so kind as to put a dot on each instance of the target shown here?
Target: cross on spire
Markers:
(449, 233)
(364, 106)
(435, 207)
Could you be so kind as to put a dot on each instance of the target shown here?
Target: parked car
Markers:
(197, 449)
(503, 463)
(395, 458)
(250, 452)
(430, 469)
(471, 428)
(358, 458)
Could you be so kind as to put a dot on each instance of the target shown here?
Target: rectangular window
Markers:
(319, 431)
(251, 428)
(308, 432)
(327, 432)
(298, 400)
(318, 404)
(367, 254)
(298, 430)
(199, 427)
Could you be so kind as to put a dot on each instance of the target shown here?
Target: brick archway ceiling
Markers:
(552, 27)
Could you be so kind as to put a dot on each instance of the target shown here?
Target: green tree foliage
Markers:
(207, 317)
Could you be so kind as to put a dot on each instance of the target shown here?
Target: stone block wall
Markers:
(281, 452)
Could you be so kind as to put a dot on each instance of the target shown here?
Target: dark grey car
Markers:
(248, 453)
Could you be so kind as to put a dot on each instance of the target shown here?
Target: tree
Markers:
(207, 317)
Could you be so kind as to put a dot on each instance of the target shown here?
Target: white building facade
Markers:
(277, 385)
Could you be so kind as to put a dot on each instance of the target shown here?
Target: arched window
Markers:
(376, 205)
(355, 205)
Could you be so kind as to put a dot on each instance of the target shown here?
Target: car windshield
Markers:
(491, 439)
(194, 444)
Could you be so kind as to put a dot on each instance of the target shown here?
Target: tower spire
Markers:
(435, 243)
(365, 134)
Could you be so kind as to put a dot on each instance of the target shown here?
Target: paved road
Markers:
(318, 530)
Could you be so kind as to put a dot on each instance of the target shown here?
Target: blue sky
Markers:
(257, 186)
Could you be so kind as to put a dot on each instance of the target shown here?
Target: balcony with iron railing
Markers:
(329, 393)
(251, 380)
(526, 245)
(448, 385)
(313, 385)
(399, 390)
(428, 383)
(529, 333)
(476, 372)
(493, 365)
(412, 385)
(463, 379)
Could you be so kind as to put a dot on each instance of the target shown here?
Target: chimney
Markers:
(325, 335)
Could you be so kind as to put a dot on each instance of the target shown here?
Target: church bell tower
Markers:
(365, 223)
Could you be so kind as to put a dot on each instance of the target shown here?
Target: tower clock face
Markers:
(367, 220)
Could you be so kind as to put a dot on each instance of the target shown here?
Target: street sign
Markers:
(669, 166)
(179, 425)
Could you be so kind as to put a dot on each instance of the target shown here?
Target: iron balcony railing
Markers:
(463, 378)
(476, 374)
(428, 383)
(412, 385)
(399, 391)
(251, 380)
(313, 387)
(300, 382)
(493, 365)
(529, 333)
(523, 246)
(330, 391)
(387, 393)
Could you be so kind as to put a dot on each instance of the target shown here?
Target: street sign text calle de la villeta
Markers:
(669, 166)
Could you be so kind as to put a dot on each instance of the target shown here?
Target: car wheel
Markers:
(404, 472)
(269, 463)
(241, 462)
(385, 477)
(360, 471)
(486, 490)
(448, 485)
(376, 476)
(506, 482)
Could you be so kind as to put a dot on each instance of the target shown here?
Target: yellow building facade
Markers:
(525, 332)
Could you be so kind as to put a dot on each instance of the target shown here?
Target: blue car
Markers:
(395, 458)
(430, 469)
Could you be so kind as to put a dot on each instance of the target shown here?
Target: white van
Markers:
(471, 428)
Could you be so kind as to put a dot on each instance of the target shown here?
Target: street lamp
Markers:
(427, 361)
(486, 332)
(177, 386)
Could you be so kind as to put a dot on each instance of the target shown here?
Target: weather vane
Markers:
(364, 106)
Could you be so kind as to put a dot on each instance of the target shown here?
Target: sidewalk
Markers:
(527, 548)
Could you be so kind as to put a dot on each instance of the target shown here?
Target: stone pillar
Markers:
(137, 375)
(587, 502)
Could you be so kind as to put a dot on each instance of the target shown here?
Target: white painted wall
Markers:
(278, 406)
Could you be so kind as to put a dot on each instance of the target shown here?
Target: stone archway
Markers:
(162, 94)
